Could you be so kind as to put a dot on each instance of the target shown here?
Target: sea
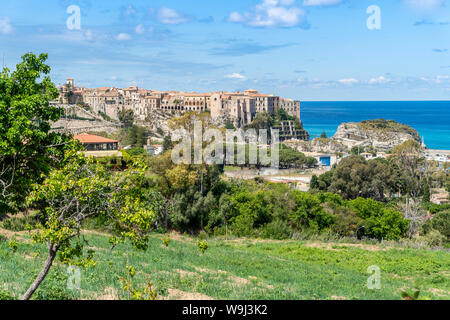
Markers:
(430, 118)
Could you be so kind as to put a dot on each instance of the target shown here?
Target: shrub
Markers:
(276, 229)
(379, 221)
(243, 226)
(202, 245)
(441, 223)
(166, 240)
(346, 223)
(434, 238)
(309, 212)
(202, 235)
(436, 208)
(13, 245)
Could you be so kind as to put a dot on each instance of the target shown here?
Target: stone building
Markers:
(239, 108)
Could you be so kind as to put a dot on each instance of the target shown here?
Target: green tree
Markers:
(379, 222)
(309, 212)
(84, 189)
(324, 135)
(27, 147)
(167, 143)
(126, 116)
(355, 177)
(412, 167)
(291, 158)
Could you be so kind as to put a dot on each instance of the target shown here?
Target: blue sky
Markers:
(302, 49)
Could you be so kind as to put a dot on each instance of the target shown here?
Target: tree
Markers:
(167, 143)
(27, 147)
(309, 212)
(355, 177)
(290, 157)
(126, 116)
(379, 222)
(324, 135)
(84, 189)
(412, 166)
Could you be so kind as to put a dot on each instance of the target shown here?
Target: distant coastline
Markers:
(430, 118)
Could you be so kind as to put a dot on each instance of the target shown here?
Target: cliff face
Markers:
(383, 135)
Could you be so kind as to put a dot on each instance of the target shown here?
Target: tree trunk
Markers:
(52, 250)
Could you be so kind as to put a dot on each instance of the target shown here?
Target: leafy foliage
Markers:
(27, 147)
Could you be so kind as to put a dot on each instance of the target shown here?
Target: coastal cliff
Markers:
(381, 134)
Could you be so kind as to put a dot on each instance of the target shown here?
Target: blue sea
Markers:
(430, 118)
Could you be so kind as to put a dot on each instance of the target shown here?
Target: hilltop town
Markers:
(239, 108)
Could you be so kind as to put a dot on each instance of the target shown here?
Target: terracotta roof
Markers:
(90, 138)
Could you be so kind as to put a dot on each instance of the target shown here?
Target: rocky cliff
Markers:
(383, 135)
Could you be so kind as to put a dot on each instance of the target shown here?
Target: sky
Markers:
(311, 50)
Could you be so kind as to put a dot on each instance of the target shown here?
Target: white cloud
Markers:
(89, 36)
(424, 4)
(312, 3)
(123, 37)
(437, 79)
(271, 13)
(140, 29)
(379, 80)
(129, 11)
(349, 81)
(170, 16)
(236, 76)
(5, 26)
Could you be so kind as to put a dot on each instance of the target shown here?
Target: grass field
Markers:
(234, 269)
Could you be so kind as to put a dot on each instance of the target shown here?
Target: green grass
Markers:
(240, 269)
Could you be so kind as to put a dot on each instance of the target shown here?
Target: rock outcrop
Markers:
(381, 134)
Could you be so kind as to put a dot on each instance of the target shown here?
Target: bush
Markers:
(242, 226)
(346, 223)
(441, 223)
(436, 208)
(276, 229)
(434, 238)
(309, 213)
(379, 221)
(202, 246)
(202, 235)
